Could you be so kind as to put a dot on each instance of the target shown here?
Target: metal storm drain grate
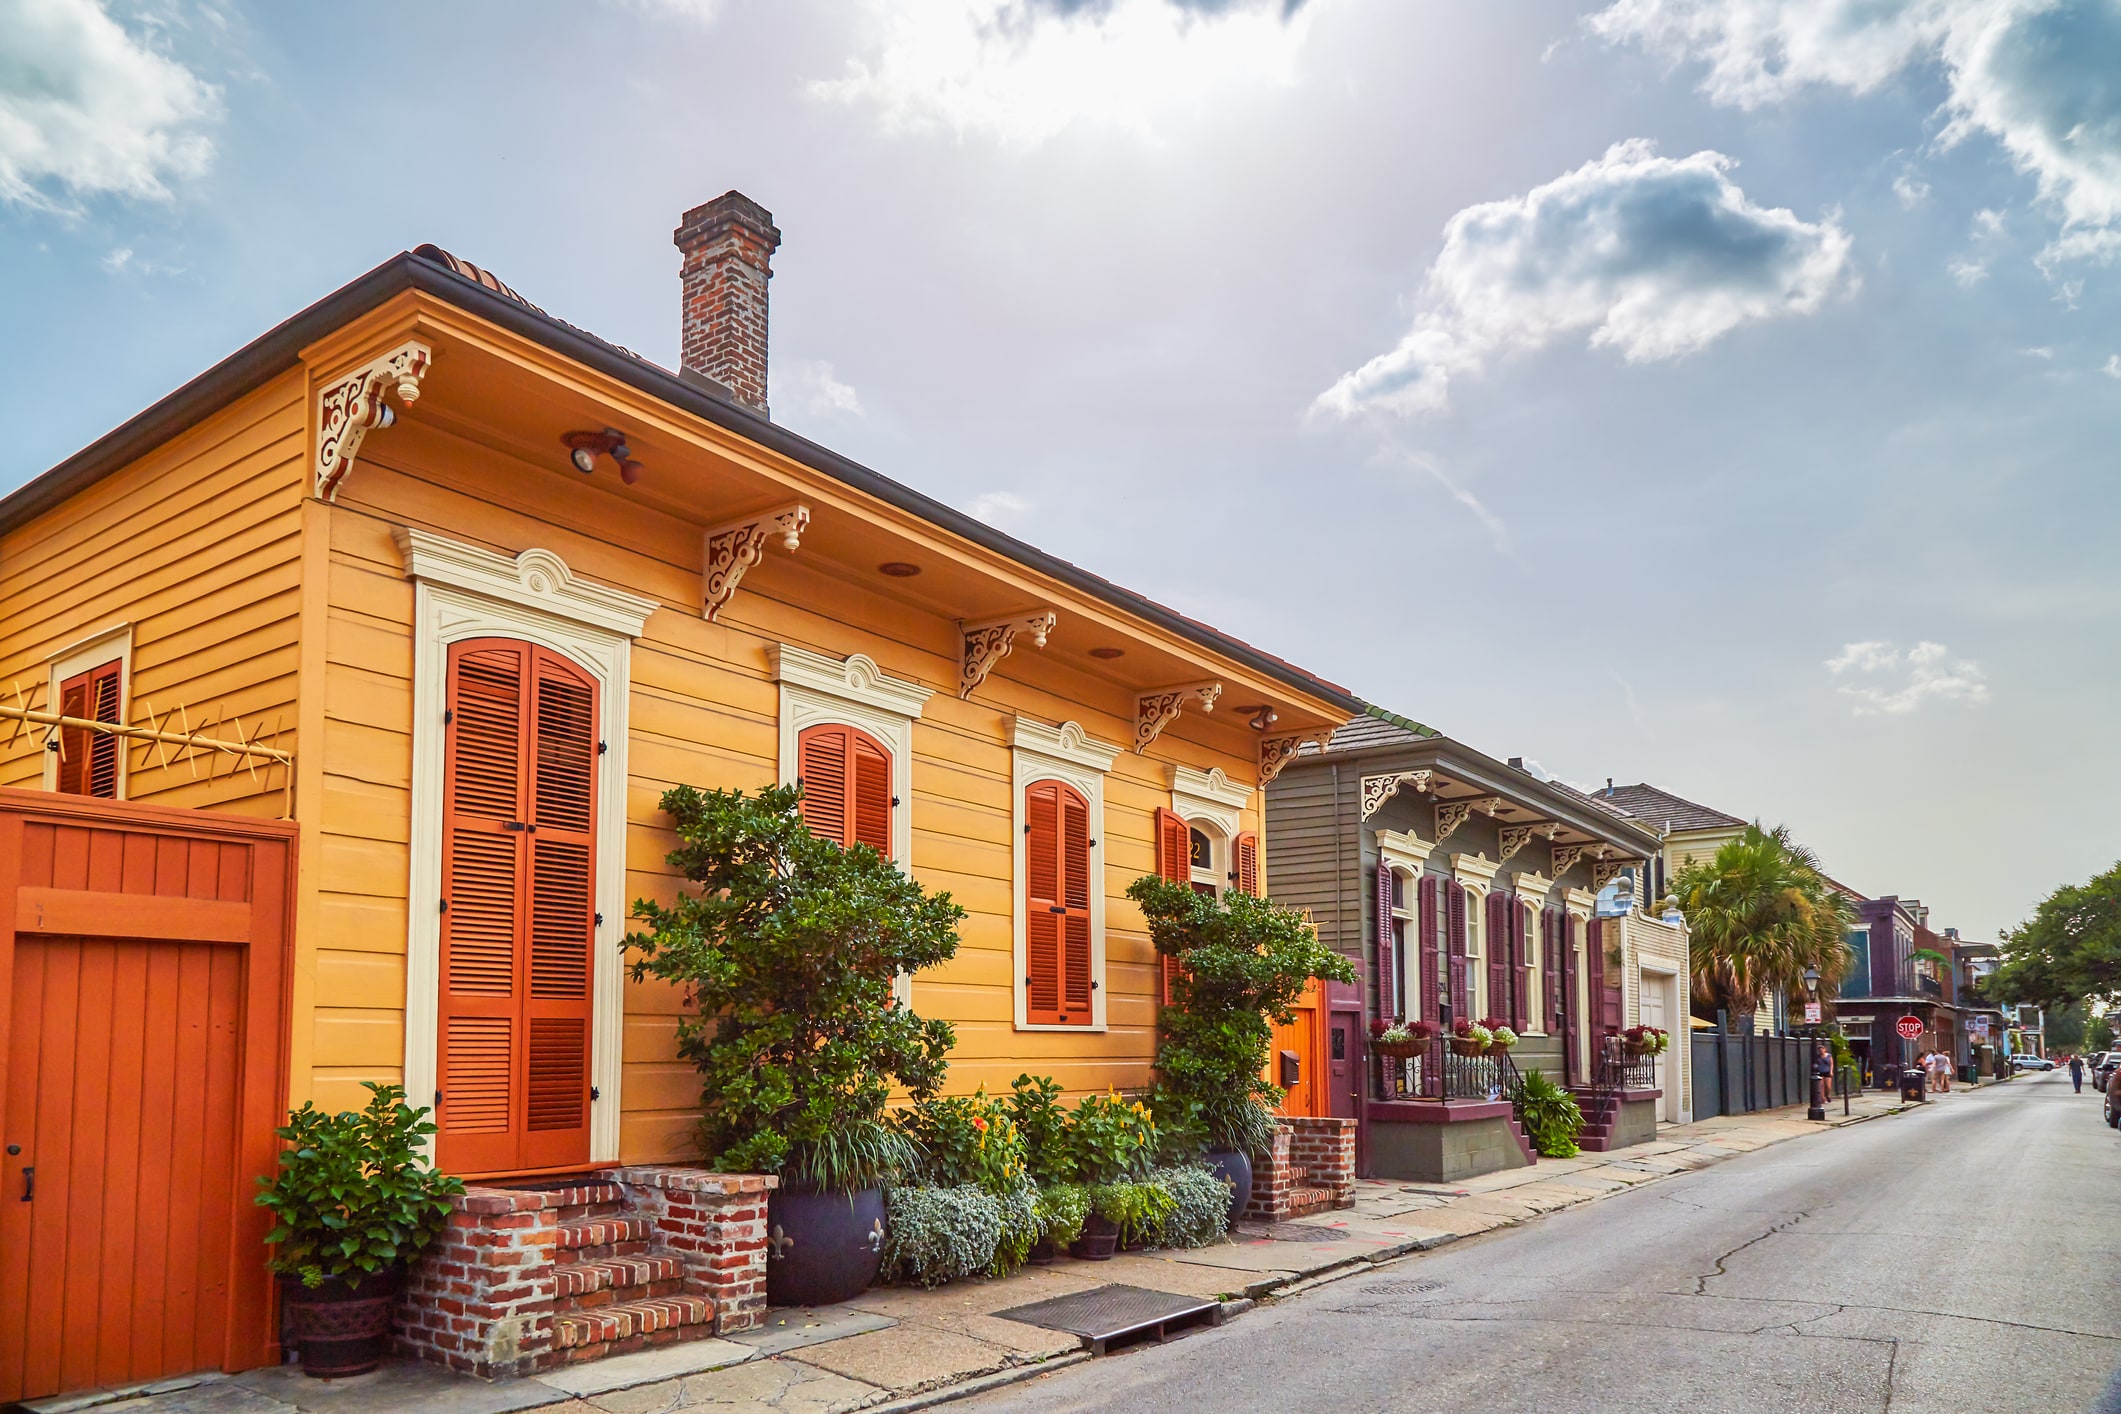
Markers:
(1112, 1315)
(1293, 1232)
(1402, 1288)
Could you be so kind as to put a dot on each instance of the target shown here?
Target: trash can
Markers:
(1914, 1086)
(1970, 1075)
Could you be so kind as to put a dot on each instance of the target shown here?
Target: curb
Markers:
(979, 1385)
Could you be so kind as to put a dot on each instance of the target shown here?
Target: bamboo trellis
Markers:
(249, 747)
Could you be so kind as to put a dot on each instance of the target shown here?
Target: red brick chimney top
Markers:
(726, 251)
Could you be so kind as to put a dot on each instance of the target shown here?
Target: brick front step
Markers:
(584, 1237)
(609, 1330)
(1303, 1202)
(617, 1273)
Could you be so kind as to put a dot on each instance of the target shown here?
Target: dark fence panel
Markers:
(1743, 1073)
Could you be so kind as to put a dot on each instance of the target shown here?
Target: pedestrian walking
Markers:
(2076, 1073)
(1944, 1071)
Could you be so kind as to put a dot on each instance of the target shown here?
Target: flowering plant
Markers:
(965, 1140)
(1650, 1040)
(1473, 1031)
(1114, 1139)
(1504, 1037)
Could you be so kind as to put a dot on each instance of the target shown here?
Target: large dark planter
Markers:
(1100, 1237)
(822, 1247)
(1234, 1168)
(341, 1329)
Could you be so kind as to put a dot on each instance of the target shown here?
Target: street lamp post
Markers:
(1817, 1111)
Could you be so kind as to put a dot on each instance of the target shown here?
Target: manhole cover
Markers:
(1106, 1315)
(1294, 1232)
(1402, 1288)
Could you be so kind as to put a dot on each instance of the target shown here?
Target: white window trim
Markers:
(818, 691)
(1409, 913)
(1536, 890)
(1582, 905)
(115, 642)
(1211, 796)
(1220, 863)
(462, 591)
(1070, 755)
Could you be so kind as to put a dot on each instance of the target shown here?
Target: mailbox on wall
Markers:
(1291, 1069)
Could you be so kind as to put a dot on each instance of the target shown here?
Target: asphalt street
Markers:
(1961, 1257)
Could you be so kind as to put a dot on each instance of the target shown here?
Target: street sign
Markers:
(1909, 1027)
(1977, 1028)
(1811, 1014)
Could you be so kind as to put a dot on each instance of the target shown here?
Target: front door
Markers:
(1654, 987)
(518, 920)
(1292, 1060)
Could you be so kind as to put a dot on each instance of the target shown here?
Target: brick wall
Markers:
(716, 1224)
(1310, 1169)
(481, 1298)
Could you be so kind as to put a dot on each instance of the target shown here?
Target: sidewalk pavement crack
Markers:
(1701, 1282)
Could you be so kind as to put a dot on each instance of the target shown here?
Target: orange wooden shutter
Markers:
(518, 871)
(88, 761)
(846, 776)
(1246, 849)
(1174, 861)
(1057, 885)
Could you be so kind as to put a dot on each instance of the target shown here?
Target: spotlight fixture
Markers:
(898, 569)
(583, 449)
(1263, 716)
(1107, 653)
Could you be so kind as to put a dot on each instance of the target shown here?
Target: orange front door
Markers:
(1299, 1038)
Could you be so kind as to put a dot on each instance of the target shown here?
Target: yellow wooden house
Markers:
(461, 589)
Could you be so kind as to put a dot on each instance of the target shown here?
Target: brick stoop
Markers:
(1524, 1142)
(1598, 1118)
(525, 1279)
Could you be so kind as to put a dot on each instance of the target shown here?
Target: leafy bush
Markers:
(1550, 1115)
(1021, 1228)
(1140, 1209)
(1111, 1138)
(965, 1139)
(1062, 1210)
(1034, 1104)
(1200, 1210)
(940, 1234)
(1246, 960)
(354, 1195)
(785, 957)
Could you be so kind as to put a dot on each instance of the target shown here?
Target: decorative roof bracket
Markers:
(349, 408)
(985, 643)
(1376, 790)
(1276, 752)
(1516, 837)
(736, 546)
(1154, 711)
(1565, 857)
(1450, 814)
(1607, 870)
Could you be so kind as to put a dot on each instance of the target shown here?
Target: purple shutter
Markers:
(1385, 969)
(1521, 993)
(1428, 984)
(1454, 896)
(1497, 943)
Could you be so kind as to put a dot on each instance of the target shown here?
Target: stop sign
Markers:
(1909, 1027)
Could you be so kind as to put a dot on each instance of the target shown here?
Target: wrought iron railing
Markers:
(1617, 1068)
(1436, 1072)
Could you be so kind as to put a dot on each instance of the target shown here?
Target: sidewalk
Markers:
(897, 1349)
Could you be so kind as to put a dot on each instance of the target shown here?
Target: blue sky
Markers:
(1721, 393)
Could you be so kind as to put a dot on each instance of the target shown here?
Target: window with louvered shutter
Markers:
(1498, 944)
(1550, 944)
(1246, 852)
(1387, 956)
(518, 934)
(1429, 984)
(846, 778)
(1461, 983)
(1572, 1001)
(1174, 861)
(1057, 884)
(88, 760)
(1521, 959)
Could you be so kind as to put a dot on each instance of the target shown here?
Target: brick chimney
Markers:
(727, 257)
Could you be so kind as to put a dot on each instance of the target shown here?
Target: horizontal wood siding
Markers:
(197, 546)
(703, 711)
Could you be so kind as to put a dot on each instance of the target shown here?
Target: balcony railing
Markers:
(1928, 986)
(1438, 1073)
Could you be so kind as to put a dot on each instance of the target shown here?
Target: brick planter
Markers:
(522, 1280)
(1310, 1169)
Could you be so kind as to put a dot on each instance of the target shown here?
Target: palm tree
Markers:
(1761, 913)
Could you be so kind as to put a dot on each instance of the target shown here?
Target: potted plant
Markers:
(353, 1202)
(1500, 1036)
(1401, 1039)
(1114, 1140)
(1042, 1123)
(1247, 960)
(1470, 1038)
(785, 958)
(1643, 1041)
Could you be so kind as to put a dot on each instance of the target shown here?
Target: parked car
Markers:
(2031, 1063)
(2113, 1115)
(2099, 1067)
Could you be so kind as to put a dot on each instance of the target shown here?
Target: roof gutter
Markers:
(280, 349)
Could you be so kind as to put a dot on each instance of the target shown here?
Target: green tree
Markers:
(1760, 913)
(2069, 951)
(786, 957)
(1245, 962)
(2099, 1034)
(2064, 1029)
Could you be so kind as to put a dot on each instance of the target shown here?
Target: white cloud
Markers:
(1000, 507)
(1024, 71)
(2037, 76)
(1657, 257)
(1911, 190)
(1898, 683)
(822, 392)
(2112, 367)
(1968, 271)
(2046, 352)
(87, 110)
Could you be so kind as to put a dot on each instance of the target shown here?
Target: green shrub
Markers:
(1062, 1210)
(1550, 1115)
(1111, 1138)
(1140, 1209)
(354, 1194)
(1021, 1227)
(1200, 1205)
(1247, 960)
(785, 957)
(1034, 1103)
(965, 1139)
(940, 1234)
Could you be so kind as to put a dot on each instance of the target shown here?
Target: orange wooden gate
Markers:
(143, 976)
(1302, 1037)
